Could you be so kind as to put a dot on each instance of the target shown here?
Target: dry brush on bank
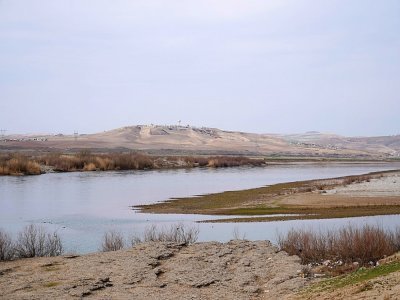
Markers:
(364, 245)
(18, 164)
(7, 249)
(32, 241)
(112, 241)
(85, 161)
(176, 233)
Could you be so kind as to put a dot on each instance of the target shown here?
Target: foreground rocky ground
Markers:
(234, 270)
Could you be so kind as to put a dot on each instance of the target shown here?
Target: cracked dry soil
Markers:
(234, 270)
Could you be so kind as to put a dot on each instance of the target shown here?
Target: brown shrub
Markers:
(198, 161)
(233, 161)
(4, 170)
(34, 241)
(131, 161)
(176, 233)
(105, 163)
(356, 179)
(6, 246)
(89, 167)
(65, 163)
(112, 241)
(348, 244)
(33, 168)
(86, 161)
(18, 164)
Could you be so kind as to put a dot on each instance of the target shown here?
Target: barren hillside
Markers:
(185, 139)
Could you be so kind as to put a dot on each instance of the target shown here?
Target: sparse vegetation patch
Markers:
(32, 241)
(112, 241)
(364, 245)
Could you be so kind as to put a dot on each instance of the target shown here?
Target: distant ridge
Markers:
(175, 139)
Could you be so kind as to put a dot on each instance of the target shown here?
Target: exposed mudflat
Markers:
(384, 186)
(348, 196)
(379, 190)
(233, 270)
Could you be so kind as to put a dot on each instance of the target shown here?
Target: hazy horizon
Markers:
(254, 66)
(168, 125)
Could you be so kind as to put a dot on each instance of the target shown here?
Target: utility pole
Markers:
(2, 133)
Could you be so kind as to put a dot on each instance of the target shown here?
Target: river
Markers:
(82, 206)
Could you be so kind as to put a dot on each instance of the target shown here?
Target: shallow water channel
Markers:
(82, 206)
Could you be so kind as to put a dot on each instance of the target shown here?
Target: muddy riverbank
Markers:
(370, 194)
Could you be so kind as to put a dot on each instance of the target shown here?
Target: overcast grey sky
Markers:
(279, 66)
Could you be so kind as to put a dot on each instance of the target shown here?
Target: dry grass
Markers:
(18, 164)
(85, 161)
(348, 244)
(198, 161)
(89, 167)
(356, 179)
(227, 161)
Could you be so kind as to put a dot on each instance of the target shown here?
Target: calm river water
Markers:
(82, 206)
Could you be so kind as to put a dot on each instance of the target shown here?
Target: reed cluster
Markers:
(86, 161)
(18, 164)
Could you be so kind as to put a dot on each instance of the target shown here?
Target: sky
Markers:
(277, 66)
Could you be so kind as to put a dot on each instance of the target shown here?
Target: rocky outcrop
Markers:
(233, 270)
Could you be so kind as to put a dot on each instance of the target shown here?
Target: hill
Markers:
(159, 139)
